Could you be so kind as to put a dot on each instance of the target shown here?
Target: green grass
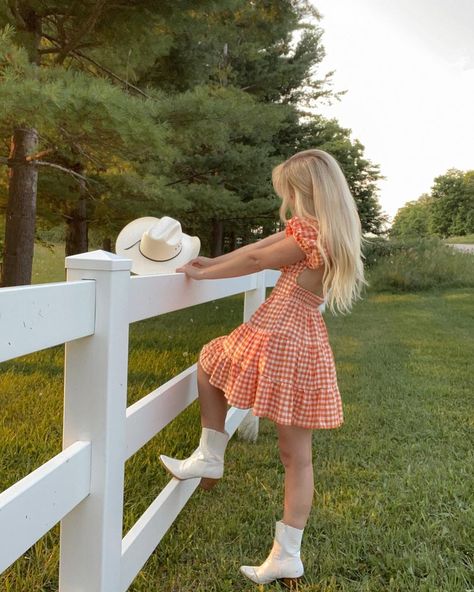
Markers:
(393, 504)
(467, 239)
(48, 264)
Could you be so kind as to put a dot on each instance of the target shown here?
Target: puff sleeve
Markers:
(305, 234)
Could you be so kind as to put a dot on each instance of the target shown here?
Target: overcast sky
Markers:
(408, 66)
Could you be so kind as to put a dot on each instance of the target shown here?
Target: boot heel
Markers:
(292, 583)
(207, 483)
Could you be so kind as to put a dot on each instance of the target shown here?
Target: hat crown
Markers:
(156, 245)
(166, 228)
(162, 240)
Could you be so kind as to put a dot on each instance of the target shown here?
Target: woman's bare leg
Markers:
(296, 455)
(212, 401)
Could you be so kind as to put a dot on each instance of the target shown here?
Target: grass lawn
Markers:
(393, 503)
(466, 239)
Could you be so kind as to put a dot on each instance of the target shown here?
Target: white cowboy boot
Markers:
(207, 461)
(284, 561)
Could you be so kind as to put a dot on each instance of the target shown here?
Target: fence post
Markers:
(248, 428)
(95, 402)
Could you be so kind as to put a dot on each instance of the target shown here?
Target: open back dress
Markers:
(280, 362)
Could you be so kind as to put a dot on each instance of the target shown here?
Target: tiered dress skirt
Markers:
(280, 362)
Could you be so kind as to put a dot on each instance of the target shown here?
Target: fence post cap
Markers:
(99, 260)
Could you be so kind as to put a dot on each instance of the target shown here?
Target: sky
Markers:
(408, 67)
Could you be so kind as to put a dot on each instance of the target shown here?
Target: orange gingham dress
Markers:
(280, 362)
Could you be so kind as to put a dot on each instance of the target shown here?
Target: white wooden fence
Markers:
(82, 486)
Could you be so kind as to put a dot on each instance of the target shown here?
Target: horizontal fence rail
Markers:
(33, 505)
(33, 318)
(82, 487)
(158, 294)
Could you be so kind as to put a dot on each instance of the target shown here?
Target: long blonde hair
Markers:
(321, 194)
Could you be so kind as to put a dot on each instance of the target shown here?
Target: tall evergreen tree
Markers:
(54, 38)
(246, 48)
(169, 108)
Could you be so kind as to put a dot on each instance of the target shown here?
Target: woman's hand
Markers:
(193, 268)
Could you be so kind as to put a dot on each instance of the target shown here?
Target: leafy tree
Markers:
(413, 219)
(447, 211)
(452, 211)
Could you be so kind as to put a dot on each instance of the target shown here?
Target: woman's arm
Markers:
(274, 256)
(246, 249)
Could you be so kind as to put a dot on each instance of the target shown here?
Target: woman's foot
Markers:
(284, 561)
(207, 461)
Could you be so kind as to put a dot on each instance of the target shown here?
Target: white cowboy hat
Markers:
(156, 245)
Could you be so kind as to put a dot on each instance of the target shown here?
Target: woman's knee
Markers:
(295, 446)
(295, 460)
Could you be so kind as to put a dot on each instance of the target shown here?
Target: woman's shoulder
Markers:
(306, 234)
(302, 224)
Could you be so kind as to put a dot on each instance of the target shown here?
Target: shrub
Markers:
(417, 264)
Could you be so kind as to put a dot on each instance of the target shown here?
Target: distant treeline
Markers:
(447, 211)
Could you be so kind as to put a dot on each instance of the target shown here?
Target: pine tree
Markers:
(247, 49)
(165, 108)
(58, 117)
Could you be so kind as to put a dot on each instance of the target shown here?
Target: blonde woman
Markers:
(280, 362)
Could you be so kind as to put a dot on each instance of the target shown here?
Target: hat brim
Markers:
(132, 233)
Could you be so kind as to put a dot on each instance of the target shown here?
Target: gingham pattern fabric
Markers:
(280, 362)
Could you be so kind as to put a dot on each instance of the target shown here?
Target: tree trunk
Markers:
(20, 219)
(233, 240)
(107, 244)
(217, 237)
(76, 226)
(21, 210)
